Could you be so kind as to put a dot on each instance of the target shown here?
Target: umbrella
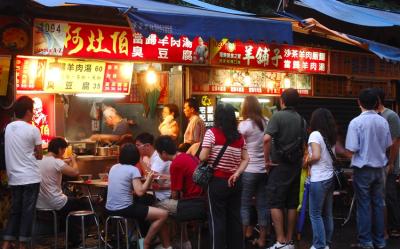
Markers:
(302, 212)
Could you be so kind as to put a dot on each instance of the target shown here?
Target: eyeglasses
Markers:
(139, 145)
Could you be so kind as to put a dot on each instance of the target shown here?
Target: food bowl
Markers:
(86, 178)
(103, 176)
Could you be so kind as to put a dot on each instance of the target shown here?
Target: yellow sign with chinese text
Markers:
(4, 73)
(74, 76)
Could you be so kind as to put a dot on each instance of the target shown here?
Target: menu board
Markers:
(70, 39)
(206, 109)
(53, 75)
(280, 57)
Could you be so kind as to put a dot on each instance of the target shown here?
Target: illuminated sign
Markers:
(59, 75)
(68, 39)
(269, 56)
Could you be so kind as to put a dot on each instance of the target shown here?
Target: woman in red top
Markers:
(224, 191)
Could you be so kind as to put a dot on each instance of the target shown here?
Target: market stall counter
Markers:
(89, 164)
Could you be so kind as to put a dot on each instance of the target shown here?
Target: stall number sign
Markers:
(53, 75)
(68, 39)
(269, 56)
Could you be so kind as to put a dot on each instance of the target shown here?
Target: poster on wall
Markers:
(60, 75)
(4, 74)
(280, 57)
(43, 114)
(70, 39)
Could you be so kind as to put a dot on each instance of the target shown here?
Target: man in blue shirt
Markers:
(368, 138)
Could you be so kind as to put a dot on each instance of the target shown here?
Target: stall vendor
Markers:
(119, 125)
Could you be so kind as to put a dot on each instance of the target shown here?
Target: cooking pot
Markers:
(80, 150)
(103, 151)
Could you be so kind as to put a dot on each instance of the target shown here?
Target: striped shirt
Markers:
(230, 160)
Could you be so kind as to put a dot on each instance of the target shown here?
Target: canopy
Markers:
(353, 14)
(148, 16)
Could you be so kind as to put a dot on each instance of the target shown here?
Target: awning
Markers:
(353, 14)
(155, 17)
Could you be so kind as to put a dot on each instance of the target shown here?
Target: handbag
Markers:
(293, 152)
(338, 172)
(191, 209)
(205, 172)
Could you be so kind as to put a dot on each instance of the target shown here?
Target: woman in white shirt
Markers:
(323, 134)
(255, 176)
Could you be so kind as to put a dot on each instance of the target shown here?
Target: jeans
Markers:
(226, 230)
(254, 184)
(20, 220)
(392, 202)
(368, 185)
(321, 201)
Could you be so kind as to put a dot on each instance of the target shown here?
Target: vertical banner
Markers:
(4, 74)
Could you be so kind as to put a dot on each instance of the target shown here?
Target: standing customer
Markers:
(196, 128)
(169, 126)
(368, 138)
(286, 128)
(224, 191)
(255, 176)
(23, 147)
(392, 196)
(321, 140)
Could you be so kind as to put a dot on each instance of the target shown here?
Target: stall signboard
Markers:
(269, 56)
(43, 114)
(69, 39)
(59, 75)
(361, 64)
(222, 81)
(4, 73)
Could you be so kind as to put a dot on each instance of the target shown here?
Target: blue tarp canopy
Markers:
(384, 51)
(353, 14)
(148, 16)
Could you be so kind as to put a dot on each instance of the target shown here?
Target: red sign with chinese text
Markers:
(269, 56)
(248, 90)
(67, 39)
(30, 73)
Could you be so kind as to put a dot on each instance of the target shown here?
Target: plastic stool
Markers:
(55, 226)
(82, 214)
(118, 219)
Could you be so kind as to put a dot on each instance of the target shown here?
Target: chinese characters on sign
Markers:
(269, 56)
(53, 75)
(59, 38)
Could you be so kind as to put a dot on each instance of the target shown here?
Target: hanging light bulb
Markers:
(151, 75)
(247, 79)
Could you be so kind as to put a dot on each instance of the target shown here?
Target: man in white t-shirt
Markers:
(23, 147)
(52, 168)
(145, 144)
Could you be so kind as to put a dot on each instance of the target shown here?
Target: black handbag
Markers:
(205, 172)
(191, 209)
(340, 178)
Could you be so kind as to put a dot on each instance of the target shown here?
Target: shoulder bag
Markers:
(340, 179)
(293, 152)
(205, 172)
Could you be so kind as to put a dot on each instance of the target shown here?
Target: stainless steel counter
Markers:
(89, 164)
(95, 158)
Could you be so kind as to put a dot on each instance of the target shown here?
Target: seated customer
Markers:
(124, 178)
(52, 168)
(182, 186)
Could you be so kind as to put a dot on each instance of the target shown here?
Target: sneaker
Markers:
(326, 247)
(290, 245)
(186, 245)
(278, 245)
(159, 246)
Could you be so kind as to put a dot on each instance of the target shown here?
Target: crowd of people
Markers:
(256, 163)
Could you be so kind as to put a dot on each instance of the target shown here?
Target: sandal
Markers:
(259, 243)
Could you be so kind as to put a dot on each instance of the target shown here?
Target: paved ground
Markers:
(343, 237)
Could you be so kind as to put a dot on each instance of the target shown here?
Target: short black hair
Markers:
(290, 97)
(193, 103)
(129, 154)
(165, 143)
(173, 108)
(380, 93)
(145, 138)
(368, 99)
(22, 105)
(56, 144)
